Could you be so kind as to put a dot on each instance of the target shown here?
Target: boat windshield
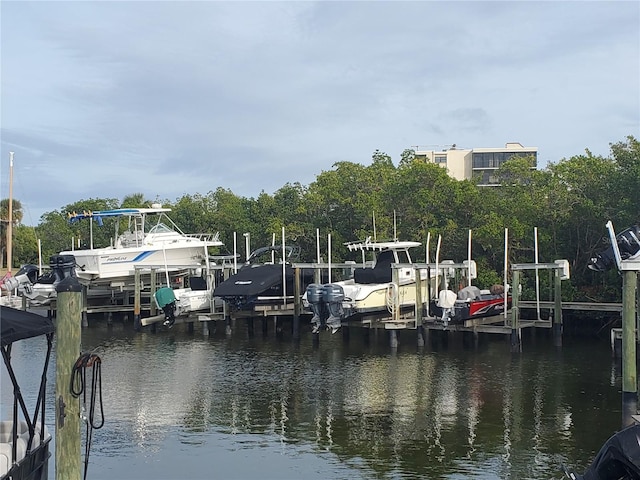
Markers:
(161, 228)
(403, 256)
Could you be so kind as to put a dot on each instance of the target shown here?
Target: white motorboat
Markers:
(149, 239)
(376, 290)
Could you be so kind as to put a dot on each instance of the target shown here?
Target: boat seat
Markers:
(6, 454)
(23, 433)
(6, 430)
(468, 293)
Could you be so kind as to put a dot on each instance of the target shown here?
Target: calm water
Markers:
(182, 405)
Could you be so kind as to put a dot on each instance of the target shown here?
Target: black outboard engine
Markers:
(62, 266)
(31, 271)
(315, 292)
(333, 297)
(629, 245)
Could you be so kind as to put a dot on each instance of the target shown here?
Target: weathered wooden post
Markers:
(153, 278)
(250, 331)
(137, 322)
(516, 345)
(393, 339)
(629, 367)
(85, 303)
(557, 309)
(419, 327)
(297, 307)
(68, 341)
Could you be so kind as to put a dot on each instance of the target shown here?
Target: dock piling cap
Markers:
(69, 284)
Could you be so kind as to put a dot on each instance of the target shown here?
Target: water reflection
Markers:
(271, 408)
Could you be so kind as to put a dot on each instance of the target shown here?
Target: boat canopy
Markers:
(118, 212)
(19, 325)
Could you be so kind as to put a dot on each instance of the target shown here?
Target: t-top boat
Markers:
(259, 281)
(149, 238)
(24, 438)
(372, 290)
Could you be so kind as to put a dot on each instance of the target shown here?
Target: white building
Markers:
(480, 163)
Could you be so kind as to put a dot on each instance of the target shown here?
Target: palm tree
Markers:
(16, 217)
(134, 200)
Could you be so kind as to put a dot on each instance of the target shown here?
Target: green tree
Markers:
(25, 246)
(627, 181)
(135, 200)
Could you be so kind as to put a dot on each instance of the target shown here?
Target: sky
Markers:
(172, 98)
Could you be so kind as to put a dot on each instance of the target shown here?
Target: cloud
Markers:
(104, 99)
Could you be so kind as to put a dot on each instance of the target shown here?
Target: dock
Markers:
(129, 303)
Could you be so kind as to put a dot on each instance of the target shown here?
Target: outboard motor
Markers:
(166, 300)
(333, 297)
(63, 266)
(629, 245)
(447, 302)
(25, 277)
(315, 292)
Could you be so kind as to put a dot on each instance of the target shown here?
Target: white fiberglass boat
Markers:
(149, 239)
(372, 290)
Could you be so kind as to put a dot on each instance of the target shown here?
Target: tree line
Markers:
(568, 203)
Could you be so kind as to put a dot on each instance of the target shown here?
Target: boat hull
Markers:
(107, 265)
(489, 306)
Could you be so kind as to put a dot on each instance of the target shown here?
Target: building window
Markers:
(440, 159)
(482, 160)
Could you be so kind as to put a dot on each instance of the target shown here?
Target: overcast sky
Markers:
(166, 98)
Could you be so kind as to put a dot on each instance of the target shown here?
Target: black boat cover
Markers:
(18, 325)
(619, 457)
(252, 280)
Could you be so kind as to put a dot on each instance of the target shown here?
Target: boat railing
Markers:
(205, 237)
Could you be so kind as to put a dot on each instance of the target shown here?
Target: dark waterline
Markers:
(182, 405)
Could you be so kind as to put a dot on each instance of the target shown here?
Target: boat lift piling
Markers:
(629, 362)
(516, 333)
(630, 269)
(297, 304)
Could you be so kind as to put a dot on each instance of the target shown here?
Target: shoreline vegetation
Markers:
(557, 212)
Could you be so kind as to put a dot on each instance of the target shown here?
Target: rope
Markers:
(78, 386)
(391, 294)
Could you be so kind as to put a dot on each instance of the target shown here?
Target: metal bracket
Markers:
(61, 412)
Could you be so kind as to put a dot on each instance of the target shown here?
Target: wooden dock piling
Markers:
(629, 367)
(137, 325)
(297, 306)
(557, 309)
(68, 341)
(516, 338)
